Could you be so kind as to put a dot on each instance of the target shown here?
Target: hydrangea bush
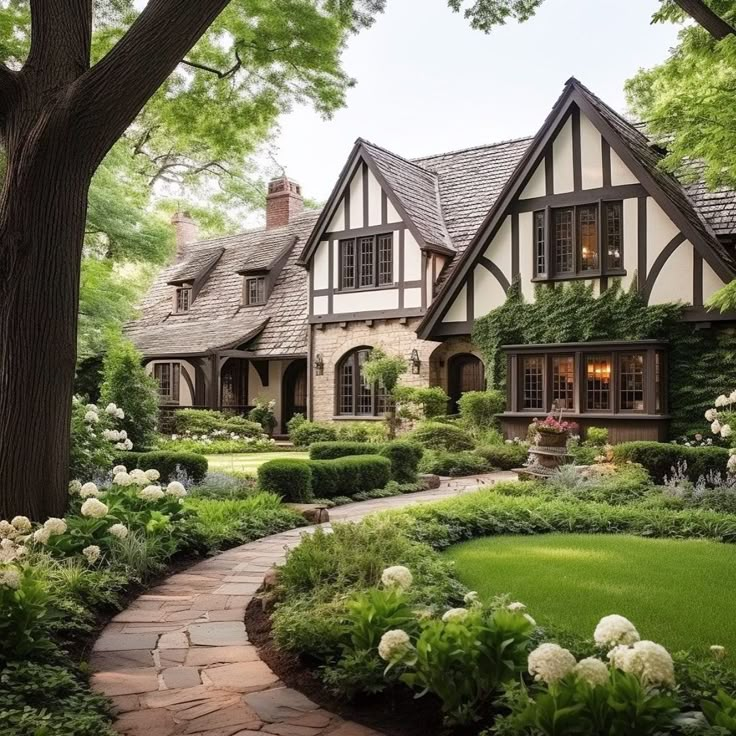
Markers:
(216, 441)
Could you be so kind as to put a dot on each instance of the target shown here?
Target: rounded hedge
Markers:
(290, 479)
(479, 408)
(404, 457)
(166, 463)
(441, 436)
(304, 434)
(504, 457)
(334, 450)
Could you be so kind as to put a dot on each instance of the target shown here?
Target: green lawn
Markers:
(248, 462)
(679, 593)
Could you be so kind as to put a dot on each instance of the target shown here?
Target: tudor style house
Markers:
(406, 254)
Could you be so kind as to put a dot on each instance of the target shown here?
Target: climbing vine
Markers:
(702, 362)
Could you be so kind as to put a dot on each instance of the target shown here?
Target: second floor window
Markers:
(583, 240)
(255, 290)
(367, 262)
(183, 299)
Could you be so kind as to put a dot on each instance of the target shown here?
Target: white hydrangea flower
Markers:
(726, 430)
(648, 661)
(91, 407)
(549, 663)
(91, 417)
(122, 479)
(111, 435)
(718, 651)
(516, 607)
(151, 493)
(89, 490)
(42, 535)
(111, 409)
(732, 398)
(119, 530)
(615, 629)
(722, 400)
(731, 464)
(21, 523)
(120, 414)
(454, 614)
(124, 445)
(471, 598)
(715, 427)
(592, 671)
(153, 474)
(123, 434)
(92, 553)
(55, 526)
(393, 644)
(10, 577)
(176, 489)
(711, 415)
(138, 476)
(7, 530)
(10, 551)
(119, 469)
(74, 487)
(397, 576)
(94, 508)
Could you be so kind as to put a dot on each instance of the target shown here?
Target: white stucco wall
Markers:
(321, 265)
(620, 173)
(590, 155)
(675, 280)
(487, 292)
(562, 158)
(537, 184)
(374, 200)
(458, 311)
(711, 282)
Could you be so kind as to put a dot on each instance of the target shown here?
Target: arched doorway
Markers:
(465, 372)
(234, 384)
(294, 388)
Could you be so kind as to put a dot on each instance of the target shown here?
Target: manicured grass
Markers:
(679, 593)
(248, 462)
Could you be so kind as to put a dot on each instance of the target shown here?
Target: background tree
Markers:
(64, 103)
(385, 370)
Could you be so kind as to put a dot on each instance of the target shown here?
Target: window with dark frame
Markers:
(532, 383)
(183, 299)
(584, 239)
(355, 396)
(255, 290)
(598, 382)
(167, 376)
(563, 381)
(631, 382)
(367, 262)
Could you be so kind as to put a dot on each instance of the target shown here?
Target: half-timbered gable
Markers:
(588, 202)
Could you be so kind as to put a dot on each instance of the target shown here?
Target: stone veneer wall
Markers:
(334, 341)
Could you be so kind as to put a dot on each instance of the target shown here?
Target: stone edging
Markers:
(178, 659)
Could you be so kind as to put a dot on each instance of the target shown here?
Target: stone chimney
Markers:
(283, 202)
(186, 232)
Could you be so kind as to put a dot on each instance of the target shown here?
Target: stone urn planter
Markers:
(550, 448)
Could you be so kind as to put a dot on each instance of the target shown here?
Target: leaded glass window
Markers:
(631, 382)
(564, 245)
(532, 382)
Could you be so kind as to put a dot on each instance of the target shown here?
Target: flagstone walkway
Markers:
(178, 659)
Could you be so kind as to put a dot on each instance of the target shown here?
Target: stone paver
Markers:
(178, 660)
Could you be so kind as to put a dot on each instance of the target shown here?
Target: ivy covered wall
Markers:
(702, 362)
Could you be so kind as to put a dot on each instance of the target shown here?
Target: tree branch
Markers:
(8, 90)
(222, 75)
(110, 95)
(707, 18)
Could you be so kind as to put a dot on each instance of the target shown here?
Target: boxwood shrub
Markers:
(659, 458)
(325, 478)
(452, 463)
(333, 450)
(305, 433)
(205, 421)
(504, 457)
(361, 473)
(404, 457)
(290, 479)
(441, 436)
(166, 463)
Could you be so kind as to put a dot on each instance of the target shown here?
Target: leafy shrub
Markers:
(660, 458)
(262, 413)
(206, 421)
(325, 478)
(404, 457)
(421, 403)
(333, 450)
(440, 436)
(361, 473)
(478, 409)
(596, 436)
(127, 384)
(452, 463)
(305, 433)
(628, 484)
(167, 463)
(290, 479)
(216, 444)
(373, 432)
(504, 457)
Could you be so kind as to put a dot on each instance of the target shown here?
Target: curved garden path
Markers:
(178, 659)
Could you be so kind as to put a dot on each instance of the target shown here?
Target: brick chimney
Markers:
(186, 232)
(283, 202)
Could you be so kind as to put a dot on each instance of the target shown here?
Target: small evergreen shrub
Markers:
(453, 464)
(661, 458)
(290, 479)
(421, 403)
(333, 450)
(404, 457)
(504, 457)
(195, 466)
(206, 421)
(325, 478)
(262, 413)
(596, 436)
(305, 433)
(441, 436)
(373, 432)
(478, 409)
(127, 385)
(361, 473)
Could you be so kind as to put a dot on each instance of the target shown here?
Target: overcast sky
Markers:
(427, 83)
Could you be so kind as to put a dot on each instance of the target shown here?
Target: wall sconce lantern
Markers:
(319, 364)
(415, 362)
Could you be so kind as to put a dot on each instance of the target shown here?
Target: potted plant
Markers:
(553, 431)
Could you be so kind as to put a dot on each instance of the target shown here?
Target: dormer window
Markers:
(255, 290)
(183, 299)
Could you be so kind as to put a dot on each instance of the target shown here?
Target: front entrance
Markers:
(294, 387)
(465, 372)
(234, 385)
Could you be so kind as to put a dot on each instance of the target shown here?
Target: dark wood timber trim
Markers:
(261, 368)
(361, 316)
(470, 299)
(697, 279)
(332, 244)
(549, 172)
(514, 245)
(360, 232)
(641, 227)
(312, 290)
(384, 208)
(346, 202)
(606, 161)
(658, 264)
(365, 193)
(496, 271)
(577, 155)
(586, 196)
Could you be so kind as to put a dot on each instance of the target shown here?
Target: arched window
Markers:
(355, 396)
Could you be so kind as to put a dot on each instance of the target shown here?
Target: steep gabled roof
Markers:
(633, 147)
(196, 266)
